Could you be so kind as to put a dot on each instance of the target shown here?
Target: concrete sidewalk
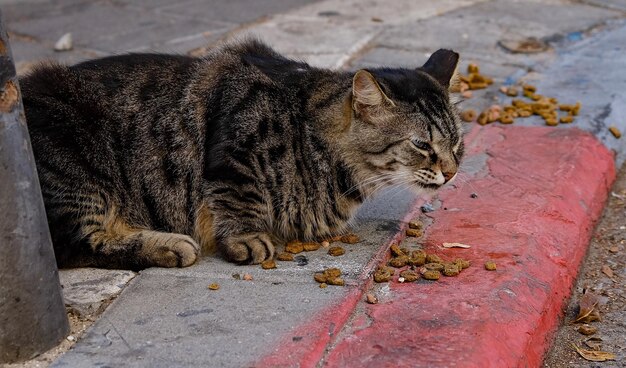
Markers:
(168, 317)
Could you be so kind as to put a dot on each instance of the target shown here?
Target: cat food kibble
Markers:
(409, 275)
(336, 251)
(284, 256)
(416, 225)
(451, 270)
(414, 232)
(330, 276)
(566, 119)
(462, 263)
(268, 265)
(434, 266)
(310, 247)
(469, 115)
(214, 286)
(323, 285)
(247, 277)
(350, 239)
(431, 275)
(383, 274)
(433, 258)
(417, 258)
(490, 266)
(294, 247)
(397, 251)
(616, 133)
(399, 261)
(472, 68)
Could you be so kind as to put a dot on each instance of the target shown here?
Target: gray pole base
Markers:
(32, 314)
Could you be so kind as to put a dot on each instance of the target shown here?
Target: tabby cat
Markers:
(145, 159)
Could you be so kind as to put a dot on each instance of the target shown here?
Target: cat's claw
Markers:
(249, 248)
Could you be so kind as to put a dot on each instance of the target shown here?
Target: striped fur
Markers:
(144, 159)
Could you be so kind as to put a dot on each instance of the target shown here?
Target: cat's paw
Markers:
(168, 249)
(249, 248)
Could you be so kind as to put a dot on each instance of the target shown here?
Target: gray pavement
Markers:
(169, 317)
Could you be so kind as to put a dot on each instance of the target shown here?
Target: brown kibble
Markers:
(483, 119)
(337, 281)
(566, 119)
(310, 247)
(323, 285)
(350, 239)
(524, 113)
(529, 88)
(284, 256)
(473, 68)
(536, 97)
(451, 270)
(409, 276)
(319, 277)
(477, 85)
(214, 286)
(336, 251)
(268, 265)
(434, 266)
(431, 275)
(433, 258)
(506, 119)
(576, 109)
(616, 133)
(416, 225)
(371, 298)
(462, 263)
(247, 277)
(565, 107)
(490, 266)
(552, 122)
(414, 232)
(396, 250)
(382, 277)
(294, 247)
(417, 258)
(332, 273)
(398, 262)
(587, 329)
(469, 115)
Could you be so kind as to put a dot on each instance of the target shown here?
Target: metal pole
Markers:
(32, 314)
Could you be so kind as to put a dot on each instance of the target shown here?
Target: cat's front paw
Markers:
(248, 248)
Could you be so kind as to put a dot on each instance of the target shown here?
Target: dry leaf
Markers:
(587, 305)
(593, 355)
(455, 245)
(607, 271)
(614, 249)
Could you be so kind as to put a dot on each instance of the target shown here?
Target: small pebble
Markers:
(70, 338)
(427, 207)
(301, 260)
(64, 43)
(325, 244)
(401, 279)
(473, 195)
(371, 298)
(323, 285)
(247, 277)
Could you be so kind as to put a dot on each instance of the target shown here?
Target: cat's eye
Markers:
(421, 145)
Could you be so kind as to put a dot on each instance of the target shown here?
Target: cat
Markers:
(145, 159)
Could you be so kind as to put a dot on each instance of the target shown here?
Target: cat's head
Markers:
(404, 129)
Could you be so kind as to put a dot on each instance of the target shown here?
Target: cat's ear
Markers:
(442, 66)
(367, 96)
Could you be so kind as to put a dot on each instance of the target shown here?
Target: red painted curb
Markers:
(539, 194)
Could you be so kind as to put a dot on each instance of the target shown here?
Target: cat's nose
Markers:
(448, 175)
